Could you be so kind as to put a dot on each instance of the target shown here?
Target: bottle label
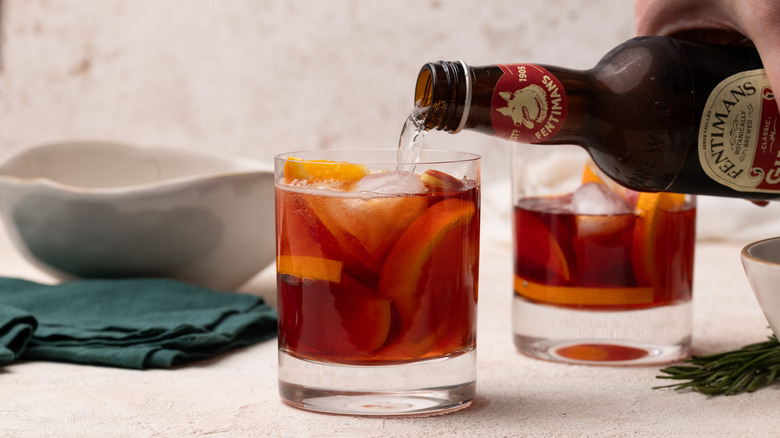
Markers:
(529, 104)
(738, 144)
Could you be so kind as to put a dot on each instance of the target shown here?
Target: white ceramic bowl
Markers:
(107, 210)
(761, 261)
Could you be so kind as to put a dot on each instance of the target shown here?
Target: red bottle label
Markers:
(738, 144)
(529, 104)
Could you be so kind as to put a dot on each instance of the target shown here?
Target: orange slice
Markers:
(403, 266)
(442, 226)
(297, 169)
(539, 250)
(591, 174)
(582, 296)
(651, 208)
(315, 268)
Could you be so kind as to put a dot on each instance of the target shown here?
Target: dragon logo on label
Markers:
(529, 104)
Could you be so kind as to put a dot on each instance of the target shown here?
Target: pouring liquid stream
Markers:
(411, 142)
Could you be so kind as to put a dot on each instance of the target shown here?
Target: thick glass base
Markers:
(632, 337)
(429, 387)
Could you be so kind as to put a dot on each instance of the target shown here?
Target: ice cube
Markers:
(595, 198)
(391, 182)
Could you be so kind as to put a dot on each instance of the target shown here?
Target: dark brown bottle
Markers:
(655, 114)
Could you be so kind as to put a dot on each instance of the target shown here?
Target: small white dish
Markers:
(88, 209)
(761, 261)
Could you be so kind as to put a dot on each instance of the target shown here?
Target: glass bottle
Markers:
(655, 114)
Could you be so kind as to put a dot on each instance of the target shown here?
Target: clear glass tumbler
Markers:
(602, 274)
(377, 281)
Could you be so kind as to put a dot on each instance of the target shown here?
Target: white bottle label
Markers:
(738, 144)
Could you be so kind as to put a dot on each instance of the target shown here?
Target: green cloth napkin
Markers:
(16, 329)
(128, 323)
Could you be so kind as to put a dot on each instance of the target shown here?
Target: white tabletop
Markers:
(236, 395)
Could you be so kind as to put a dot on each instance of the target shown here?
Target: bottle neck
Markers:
(451, 96)
(443, 95)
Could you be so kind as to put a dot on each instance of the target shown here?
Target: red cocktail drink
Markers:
(608, 262)
(376, 267)
(603, 274)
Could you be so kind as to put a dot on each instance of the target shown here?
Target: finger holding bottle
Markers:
(754, 22)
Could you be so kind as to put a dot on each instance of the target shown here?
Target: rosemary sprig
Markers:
(748, 369)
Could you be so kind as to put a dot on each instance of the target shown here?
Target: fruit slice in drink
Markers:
(437, 234)
(441, 182)
(653, 233)
(296, 169)
(386, 269)
(653, 230)
(327, 313)
(315, 268)
(358, 230)
(540, 236)
(365, 228)
(368, 228)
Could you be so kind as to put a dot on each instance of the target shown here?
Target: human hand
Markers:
(755, 22)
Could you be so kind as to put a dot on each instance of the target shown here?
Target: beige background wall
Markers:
(259, 77)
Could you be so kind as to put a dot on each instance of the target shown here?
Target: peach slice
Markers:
(297, 169)
(293, 235)
(651, 207)
(437, 181)
(345, 323)
(365, 317)
(303, 234)
(402, 272)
